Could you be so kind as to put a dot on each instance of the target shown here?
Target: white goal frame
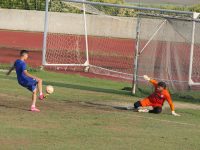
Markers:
(44, 62)
(190, 81)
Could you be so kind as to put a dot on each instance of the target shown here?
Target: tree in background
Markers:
(59, 6)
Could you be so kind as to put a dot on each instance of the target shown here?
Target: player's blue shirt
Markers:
(20, 66)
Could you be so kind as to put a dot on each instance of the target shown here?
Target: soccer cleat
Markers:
(41, 97)
(34, 109)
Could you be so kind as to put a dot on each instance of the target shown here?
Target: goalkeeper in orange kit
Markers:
(156, 99)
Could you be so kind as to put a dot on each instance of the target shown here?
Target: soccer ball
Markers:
(49, 89)
(86, 69)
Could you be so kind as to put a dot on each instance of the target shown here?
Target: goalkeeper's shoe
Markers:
(34, 109)
(143, 110)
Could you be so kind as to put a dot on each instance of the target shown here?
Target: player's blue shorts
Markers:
(31, 84)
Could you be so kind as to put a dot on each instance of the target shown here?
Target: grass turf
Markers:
(66, 121)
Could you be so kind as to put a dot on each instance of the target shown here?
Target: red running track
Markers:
(107, 52)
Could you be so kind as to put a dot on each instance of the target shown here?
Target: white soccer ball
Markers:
(49, 89)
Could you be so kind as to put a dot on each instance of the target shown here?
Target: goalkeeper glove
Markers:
(175, 114)
(146, 78)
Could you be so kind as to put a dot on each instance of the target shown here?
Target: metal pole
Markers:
(45, 33)
(134, 84)
(195, 16)
(86, 36)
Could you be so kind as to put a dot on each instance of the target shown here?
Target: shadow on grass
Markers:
(109, 106)
(81, 87)
(6, 106)
(191, 97)
(87, 88)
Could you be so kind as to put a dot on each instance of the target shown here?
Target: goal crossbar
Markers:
(130, 7)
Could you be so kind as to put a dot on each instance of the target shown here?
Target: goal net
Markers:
(164, 50)
(64, 40)
(92, 37)
(103, 39)
(168, 50)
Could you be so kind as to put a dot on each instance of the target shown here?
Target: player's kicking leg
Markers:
(39, 85)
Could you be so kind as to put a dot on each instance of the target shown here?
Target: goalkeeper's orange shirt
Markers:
(158, 98)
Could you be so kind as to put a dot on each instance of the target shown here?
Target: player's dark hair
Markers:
(162, 84)
(23, 52)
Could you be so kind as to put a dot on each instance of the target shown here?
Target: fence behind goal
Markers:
(105, 43)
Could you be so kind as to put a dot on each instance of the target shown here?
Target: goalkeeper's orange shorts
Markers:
(145, 102)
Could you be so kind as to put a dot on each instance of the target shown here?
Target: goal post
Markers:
(166, 51)
(194, 75)
(61, 47)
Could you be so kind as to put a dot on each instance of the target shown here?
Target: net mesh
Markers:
(65, 43)
(65, 49)
(166, 56)
(111, 49)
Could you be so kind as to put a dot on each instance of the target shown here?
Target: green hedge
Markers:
(58, 6)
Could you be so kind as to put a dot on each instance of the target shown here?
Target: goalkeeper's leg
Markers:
(137, 105)
(156, 110)
(143, 103)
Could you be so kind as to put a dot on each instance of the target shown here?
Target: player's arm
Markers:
(10, 70)
(154, 82)
(169, 100)
(31, 76)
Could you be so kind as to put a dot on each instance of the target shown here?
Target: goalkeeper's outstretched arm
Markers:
(169, 100)
(146, 78)
(154, 82)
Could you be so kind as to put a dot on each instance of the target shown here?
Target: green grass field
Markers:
(80, 116)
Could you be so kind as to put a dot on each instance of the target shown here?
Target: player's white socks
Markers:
(32, 106)
(41, 93)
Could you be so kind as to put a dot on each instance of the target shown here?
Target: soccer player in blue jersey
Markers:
(27, 80)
